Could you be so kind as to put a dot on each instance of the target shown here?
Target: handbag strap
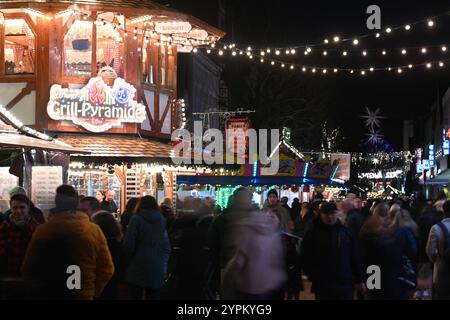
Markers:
(446, 234)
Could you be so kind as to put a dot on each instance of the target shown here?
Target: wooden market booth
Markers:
(101, 76)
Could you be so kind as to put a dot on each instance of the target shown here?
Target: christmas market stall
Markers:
(102, 77)
(297, 177)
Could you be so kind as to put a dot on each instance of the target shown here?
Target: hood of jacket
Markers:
(151, 216)
(74, 223)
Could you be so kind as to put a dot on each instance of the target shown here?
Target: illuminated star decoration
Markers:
(373, 118)
(374, 137)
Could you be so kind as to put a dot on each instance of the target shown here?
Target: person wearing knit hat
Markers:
(273, 206)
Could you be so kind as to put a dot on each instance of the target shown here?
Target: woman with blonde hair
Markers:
(388, 244)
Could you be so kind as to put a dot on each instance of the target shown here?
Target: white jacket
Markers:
(434, 249)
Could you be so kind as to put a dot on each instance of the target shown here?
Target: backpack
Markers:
(446, 254)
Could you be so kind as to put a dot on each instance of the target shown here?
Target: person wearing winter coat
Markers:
(391, 245)
(435, 250)
(113, 234)
(69, 241)
(275, 207)
(256, 271)
(330, 257)
(147, 249)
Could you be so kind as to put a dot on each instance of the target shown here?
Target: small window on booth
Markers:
(78, 50)
(110, 49)
(163, 65)
(147, 67)
(20, 47)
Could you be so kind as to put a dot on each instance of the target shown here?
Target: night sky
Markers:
(289, 23)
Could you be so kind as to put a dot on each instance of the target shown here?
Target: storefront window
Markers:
(78, 50)
(109, 49)
(20, 47)
(147, 67)
(163, 65)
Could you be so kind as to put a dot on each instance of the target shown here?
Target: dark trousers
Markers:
(139, 293)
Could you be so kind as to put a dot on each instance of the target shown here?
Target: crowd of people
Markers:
(151, 251)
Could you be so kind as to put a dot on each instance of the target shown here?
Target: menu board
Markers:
(44, 181)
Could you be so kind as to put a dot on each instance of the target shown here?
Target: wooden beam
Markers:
(42, 72)
(24, 92)
(2, 49)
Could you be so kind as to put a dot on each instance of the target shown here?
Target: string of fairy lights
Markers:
(274, 56)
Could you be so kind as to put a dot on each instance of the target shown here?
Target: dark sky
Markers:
(288, 22)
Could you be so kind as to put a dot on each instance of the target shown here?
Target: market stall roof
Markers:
(137, 7)
(13, 135)
(17, 140)
(254, 181)
(118, 146)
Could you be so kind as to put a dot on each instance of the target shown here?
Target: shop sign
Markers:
(380, 175)
(426, 164)
(195, 34)
(44, 181)
(173, 27)
(96, 107)
(447, 134)
(431, 155)
(419, 168)
(237, 141)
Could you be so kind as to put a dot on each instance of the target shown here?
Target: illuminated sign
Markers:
(447, 134)
(173, 27)
(445, 143)
(380, 175)
(96, 107)
(419, 168)
(426, 164)
(431, 155)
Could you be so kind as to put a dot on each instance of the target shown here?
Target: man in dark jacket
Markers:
(330, 257)
(108, 204)
(355, 217)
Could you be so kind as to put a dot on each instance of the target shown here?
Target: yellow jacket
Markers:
(68, 239)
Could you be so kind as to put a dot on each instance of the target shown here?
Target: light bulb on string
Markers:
(363, 72)
(352, 71)
(268, 50)
(388, 30)
(441, 64)
(249, 49)
(262, 60)
(423, 50)
(410, 66)
(233, 53)
(287, 52)
(291, 67)
(250, 57)
(344, 53)
(194, 50)
(444, 48)
(371, 69)
(208, 51)
(314, 70)
(404, 51)
(336, 39)
(304, 69)
(430, 23)
(308, 49)
(324, 71)
(383, 52)
(282, 65)
(293, 51)
(306, 52)
(364, 53)
(272, 63)
(220, 52)
(325, 53)
(428, 65)
(389, 69)
(407, 27)
(277, 52)
(355, 42)
(335, 70)
(263, 53)
(399, 70)
(377, 35)
(325, 41)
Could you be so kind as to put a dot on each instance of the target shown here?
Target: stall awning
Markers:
(16, 140)
(118, 146)
(254, 181)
